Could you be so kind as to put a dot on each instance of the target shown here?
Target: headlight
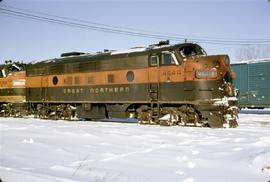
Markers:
(206, 73)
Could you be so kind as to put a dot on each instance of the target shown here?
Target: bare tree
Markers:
(253, 52)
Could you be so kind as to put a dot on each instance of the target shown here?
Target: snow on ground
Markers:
(60, 151)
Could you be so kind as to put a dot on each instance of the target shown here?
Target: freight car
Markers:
(159, 84)
(12, 89)
(253, 82)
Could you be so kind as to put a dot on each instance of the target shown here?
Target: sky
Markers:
(202, 21)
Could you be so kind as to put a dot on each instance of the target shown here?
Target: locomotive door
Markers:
(153, 78)
(44, 88)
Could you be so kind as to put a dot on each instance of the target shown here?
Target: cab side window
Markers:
(167, 59)
(153, 60)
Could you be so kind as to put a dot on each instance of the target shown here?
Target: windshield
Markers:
(191, 50)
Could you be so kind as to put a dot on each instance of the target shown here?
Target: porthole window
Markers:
(55, 80)
(130, 76)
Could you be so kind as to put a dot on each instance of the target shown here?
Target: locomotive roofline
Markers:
(115, 54)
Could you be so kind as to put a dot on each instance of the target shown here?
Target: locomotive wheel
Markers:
(43, 114)
(169, 120)
(144, 117)
(8, 110)
(189, 116)
(67, 113)
(197, 121)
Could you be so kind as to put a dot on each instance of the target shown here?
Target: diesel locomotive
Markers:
(159, 84)
(12, 89)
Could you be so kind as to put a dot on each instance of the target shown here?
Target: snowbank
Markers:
(45, 150)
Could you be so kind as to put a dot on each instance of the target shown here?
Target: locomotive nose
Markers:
(213, 67)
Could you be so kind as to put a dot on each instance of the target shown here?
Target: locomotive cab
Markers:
(213, 78)
(9, 68)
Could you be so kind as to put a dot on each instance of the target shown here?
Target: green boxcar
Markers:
(253, 82)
